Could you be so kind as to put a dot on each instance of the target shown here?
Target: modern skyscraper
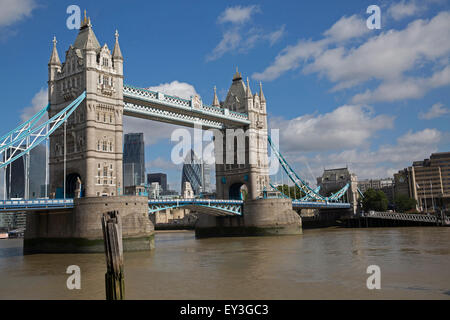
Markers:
(196, 173)
(37, 171)
(161, 178)
(15, 178)
(133, 159)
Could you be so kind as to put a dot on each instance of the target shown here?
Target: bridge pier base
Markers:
(79, 230)
(261, 217)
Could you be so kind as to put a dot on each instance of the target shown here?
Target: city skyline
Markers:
(374, 134)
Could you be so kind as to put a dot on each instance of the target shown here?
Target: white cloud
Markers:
(276, 35)
(380, 163)
(39, 101)
(347, 28)
(235, 38)
(345, 127)
(437, 110)
(402, 89)
(389, 58)
(160, 164)
(403, 9)
(238, 14)
(175, 88)
(13, 11)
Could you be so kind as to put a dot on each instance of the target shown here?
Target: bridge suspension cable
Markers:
(25, 137)
(310, 194)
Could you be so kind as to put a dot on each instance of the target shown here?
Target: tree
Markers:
(374, 200)
(404, 203)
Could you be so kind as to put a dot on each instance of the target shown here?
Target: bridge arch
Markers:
(71, 184)
(238, 191)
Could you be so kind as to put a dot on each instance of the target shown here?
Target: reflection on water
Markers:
(324, 263)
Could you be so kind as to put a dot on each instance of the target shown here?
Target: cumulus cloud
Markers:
(403, 9)
(437, 110)
(345, 127)
(175, 88)
(389, 58)
(15, 10)
(236, 38)
(238, 14)
(39, 101)
(347, 28)
(379, 163)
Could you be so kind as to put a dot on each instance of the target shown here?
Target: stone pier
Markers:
(261, 217)
(79, 230)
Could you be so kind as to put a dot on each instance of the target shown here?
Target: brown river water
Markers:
(320, 264)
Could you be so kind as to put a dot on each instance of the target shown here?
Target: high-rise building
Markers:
(15, 180)
(427, 181)
(38, 163)
(15, 177)
(134, 159)
(161, 178)
(196, 173)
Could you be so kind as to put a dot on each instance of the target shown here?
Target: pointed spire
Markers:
(237, 75)
(249, 91)
(261, 93)
(86, 39)
(116, 51)
(215, 99)
(54, 59)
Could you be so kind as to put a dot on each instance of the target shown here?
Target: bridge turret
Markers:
(117, 55)
(215, 102)
(94, 131)
(54, 68)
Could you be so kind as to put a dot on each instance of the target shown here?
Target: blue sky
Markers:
(342, 94)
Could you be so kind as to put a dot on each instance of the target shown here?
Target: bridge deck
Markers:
(153, 105)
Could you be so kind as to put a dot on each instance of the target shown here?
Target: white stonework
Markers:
(94, 131)
(254, 173)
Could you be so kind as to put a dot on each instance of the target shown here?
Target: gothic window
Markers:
(110, 118)
(98, 116)
(104, 146)
(110, 166)
(104, 117)
(100, 79)
(98, 148)
(110, 147)
(105, 171)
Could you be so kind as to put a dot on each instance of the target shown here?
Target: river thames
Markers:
(320, 264)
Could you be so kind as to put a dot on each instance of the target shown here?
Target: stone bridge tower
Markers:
(94, 131)
(243, 151)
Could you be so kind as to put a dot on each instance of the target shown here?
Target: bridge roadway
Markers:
(210, 206)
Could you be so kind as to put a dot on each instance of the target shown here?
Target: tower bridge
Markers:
(87, 102)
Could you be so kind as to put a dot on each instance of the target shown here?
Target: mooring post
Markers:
(112, 235)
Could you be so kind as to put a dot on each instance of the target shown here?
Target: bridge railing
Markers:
(132, 91)
(401, 216)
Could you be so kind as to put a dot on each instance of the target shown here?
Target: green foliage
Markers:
(404, 203)
(293, 191)
(374, 200)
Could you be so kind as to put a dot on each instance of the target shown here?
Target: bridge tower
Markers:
(240, 165)
(244, 150)
(93, 133)
(86, 154)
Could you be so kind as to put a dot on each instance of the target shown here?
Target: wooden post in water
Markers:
(112, 235)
